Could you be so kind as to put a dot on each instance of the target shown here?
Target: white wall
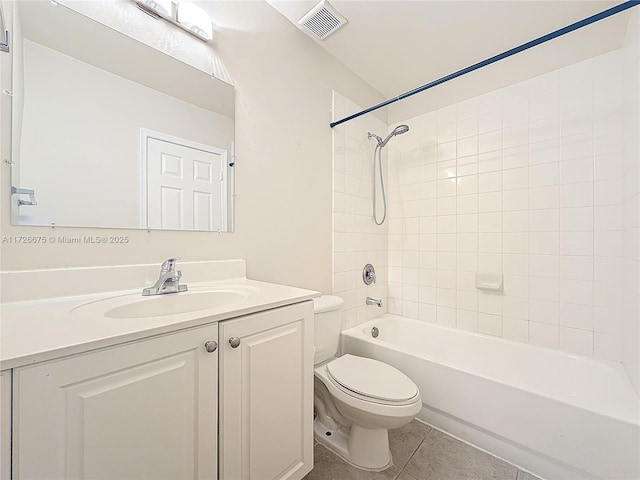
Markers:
(357, 240)
(631, 203)
(523, 181)
(283, 109)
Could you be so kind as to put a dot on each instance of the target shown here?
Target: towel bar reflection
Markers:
(24, 191)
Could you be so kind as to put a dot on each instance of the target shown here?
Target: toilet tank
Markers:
(327, 318)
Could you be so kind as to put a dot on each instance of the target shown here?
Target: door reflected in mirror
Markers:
(109, 132)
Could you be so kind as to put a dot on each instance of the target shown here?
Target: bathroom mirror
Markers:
(109, 132)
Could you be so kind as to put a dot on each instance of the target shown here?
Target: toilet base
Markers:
(363, 448)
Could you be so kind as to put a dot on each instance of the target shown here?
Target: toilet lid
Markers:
(371, 378)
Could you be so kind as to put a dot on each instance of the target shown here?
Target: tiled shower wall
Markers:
(356, 239)
(524, 181)
(630, 327)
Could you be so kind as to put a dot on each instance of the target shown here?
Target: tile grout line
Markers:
(402, 470)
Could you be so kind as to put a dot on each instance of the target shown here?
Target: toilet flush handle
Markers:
(234, 342)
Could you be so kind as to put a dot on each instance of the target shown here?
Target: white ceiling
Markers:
(399, 45)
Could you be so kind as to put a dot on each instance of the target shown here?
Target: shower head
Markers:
(399, 130)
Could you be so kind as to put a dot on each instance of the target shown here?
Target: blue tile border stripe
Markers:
(525, 46)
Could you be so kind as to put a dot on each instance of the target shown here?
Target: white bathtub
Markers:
(558, 415)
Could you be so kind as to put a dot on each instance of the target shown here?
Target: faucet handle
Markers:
(169, 265)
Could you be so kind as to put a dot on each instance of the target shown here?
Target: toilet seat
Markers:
(371, 380)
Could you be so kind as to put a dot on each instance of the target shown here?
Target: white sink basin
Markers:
(137, 306)
(174, 303)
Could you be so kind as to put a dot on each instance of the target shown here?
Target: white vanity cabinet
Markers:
(266, 395)
(5, 425)
(231, 400)
(142, 410)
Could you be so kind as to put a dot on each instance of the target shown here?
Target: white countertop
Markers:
(40, 330)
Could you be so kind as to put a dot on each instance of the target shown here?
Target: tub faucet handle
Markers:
(369, 274)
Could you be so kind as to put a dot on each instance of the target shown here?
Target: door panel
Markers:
(185, 187)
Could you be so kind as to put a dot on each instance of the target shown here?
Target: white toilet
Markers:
(356, 399)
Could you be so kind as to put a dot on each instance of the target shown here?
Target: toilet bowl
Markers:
(356, 399)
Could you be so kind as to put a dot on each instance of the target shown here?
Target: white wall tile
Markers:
(544, 266)
(544, 130)
(446, 206)
(467, 320)
(515, 114)
(490, 141)
(544, 197)
(543, 334)
(544, 311)
(515, 157)
(543, 175)
(489, 303)
(515, 307)
(544, 243)
(577, 316)
(576, 243)
(514, 200)
(490, 121)
(490, 324)
(467, 204)
(544, 152)
(467, 127)
(515, 221)
(515, 178)
(607, 346)
(544, 106)
(576, 146)
(578, 219)
(490, 182)
(576, 170)
(576, 267)
(607, 217)
(577, 292)
(515, 264)
(528, 181)
(515, 243)
(546, 220)
(515, 136)
(490, 202)
(607, 192)
(576, 341)
(515, 329)
(446, 316)
(447, 187)
(467, 146)
(576, 195)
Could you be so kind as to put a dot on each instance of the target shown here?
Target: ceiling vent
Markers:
(322, 21)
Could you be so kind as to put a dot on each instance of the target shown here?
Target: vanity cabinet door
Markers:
(266, 395)
(5, 425)
(143, 410)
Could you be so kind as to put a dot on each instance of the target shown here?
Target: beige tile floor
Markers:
(421, 453)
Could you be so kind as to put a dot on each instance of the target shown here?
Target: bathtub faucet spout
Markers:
(373, 301)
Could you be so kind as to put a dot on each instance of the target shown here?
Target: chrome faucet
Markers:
(373, 301)
(169, 280)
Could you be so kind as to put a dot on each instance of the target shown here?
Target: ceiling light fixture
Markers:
(185, 15)
(195, 20)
